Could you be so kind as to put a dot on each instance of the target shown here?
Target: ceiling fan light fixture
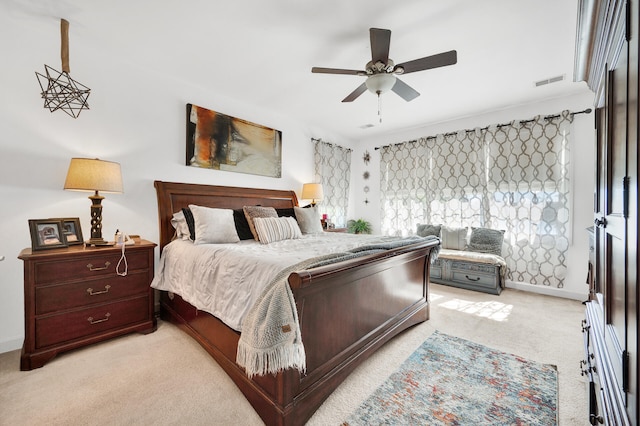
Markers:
(380, 83)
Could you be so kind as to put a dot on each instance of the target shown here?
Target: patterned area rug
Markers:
(452, 381)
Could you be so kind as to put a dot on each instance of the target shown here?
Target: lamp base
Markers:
(98, 242)
(96, 221)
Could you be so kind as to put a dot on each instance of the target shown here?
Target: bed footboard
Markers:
(346, 312)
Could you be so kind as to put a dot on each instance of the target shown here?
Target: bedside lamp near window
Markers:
(313, 192)
(94, 175)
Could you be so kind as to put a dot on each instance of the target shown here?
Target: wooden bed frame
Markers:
(346, 310)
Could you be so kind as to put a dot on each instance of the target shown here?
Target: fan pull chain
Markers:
(380, 107)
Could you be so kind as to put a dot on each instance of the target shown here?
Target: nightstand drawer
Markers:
(72, 325)
(93, 265)
(60, 297)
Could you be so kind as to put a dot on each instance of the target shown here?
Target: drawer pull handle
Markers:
(95, 293)
(91, 268)
(472, 279)
(92, 321)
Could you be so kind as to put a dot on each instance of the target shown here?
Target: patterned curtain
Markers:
(514, 177)
(333, 170)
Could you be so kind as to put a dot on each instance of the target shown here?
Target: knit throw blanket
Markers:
(271, 340)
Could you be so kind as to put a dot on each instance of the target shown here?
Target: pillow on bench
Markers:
(426, 230)
(454, 238)
(484, 240)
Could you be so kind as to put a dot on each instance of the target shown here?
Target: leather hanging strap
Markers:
(64, 50)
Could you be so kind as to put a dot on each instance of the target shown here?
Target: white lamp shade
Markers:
(312, 191)
(380, 83)
(92, 174)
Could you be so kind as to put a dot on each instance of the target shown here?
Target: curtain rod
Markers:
(330, 144)
(548, 117)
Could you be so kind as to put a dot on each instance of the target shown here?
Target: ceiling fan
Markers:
(381, 71)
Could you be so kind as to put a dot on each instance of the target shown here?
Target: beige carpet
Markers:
(165, 378)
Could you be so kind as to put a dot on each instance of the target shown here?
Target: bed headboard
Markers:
(173, 196)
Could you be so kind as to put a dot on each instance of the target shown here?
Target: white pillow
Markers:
(271, 229)
(454, 238)
(180, 224)
(308, 219)
(214, 226)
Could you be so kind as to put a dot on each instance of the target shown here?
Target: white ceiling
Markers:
(261, 52)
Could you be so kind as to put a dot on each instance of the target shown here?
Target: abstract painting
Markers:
(220, 142)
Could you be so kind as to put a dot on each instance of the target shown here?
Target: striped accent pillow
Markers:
(454, 238)
(272, 229)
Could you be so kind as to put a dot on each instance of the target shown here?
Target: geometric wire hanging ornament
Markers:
(59, 90)
(63, 92)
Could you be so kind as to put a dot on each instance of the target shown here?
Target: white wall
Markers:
(137, 118)
(583, 161)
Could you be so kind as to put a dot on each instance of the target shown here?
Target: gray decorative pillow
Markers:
(454, 238)
(308, 220)
(257, 211)
(425, 230)
(484, 240)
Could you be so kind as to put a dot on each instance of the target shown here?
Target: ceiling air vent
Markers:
(549, 80)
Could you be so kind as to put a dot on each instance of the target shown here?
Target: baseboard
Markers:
(549, 291)
(10, 345)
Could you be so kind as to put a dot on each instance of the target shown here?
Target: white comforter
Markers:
(226, 279)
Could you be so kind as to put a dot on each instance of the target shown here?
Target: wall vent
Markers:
(549, 80)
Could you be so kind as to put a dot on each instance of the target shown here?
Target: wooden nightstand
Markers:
(336, 230)
(73, 297)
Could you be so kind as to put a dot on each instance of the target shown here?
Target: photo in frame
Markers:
(221, 142)
(72, 230)
(47, 234)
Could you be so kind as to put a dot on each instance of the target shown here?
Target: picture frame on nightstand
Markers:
(47, 234)
(72, 230)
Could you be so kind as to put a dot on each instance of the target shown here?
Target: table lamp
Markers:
(94, 175)
(313, 192)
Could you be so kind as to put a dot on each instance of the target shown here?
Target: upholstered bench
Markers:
(469, 258)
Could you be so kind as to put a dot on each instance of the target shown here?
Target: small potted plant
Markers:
(359, 226)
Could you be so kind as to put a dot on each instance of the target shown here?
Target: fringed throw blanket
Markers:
(271, 340)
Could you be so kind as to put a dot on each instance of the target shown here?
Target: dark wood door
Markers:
(613, 223)
(611, 61)
(615, 286)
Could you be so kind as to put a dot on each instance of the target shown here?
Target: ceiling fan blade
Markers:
(353, 95)
(434, 61)
(380, 41)
(336, 71)
(405, 91)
